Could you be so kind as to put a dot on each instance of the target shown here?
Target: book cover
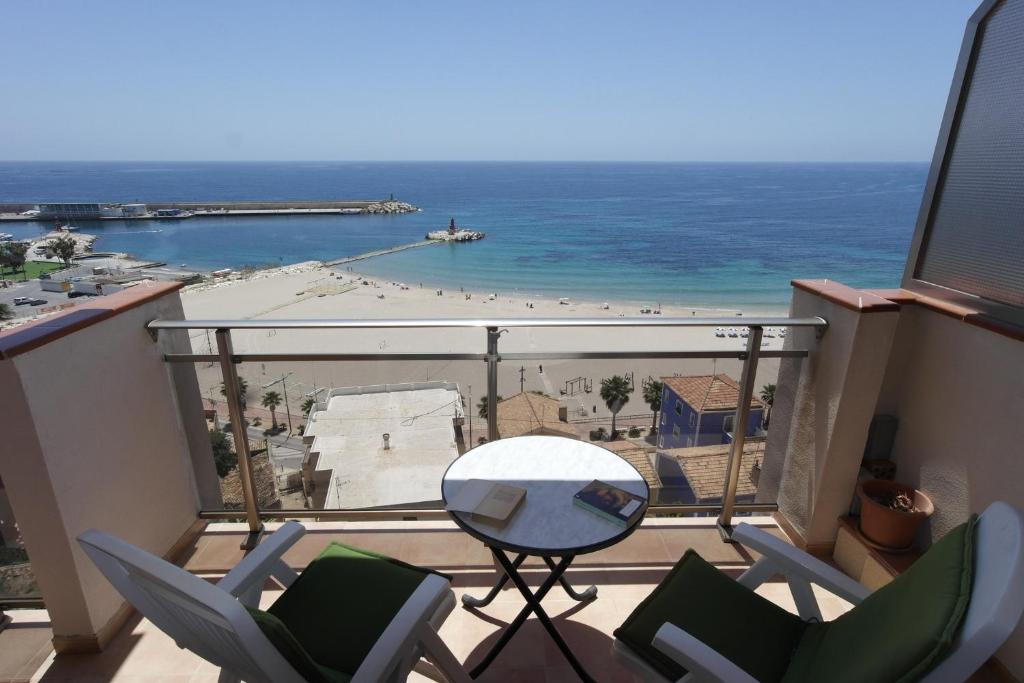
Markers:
(488, 502)
(610, 502)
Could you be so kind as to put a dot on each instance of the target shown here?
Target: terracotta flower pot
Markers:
(887, 527)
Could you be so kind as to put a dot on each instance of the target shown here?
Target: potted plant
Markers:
(891, 513)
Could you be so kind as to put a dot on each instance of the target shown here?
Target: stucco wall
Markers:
(97, 440)
(958, 391)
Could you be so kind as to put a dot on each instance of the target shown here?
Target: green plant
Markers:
(615, 391)
(307, 405)
(256, 422)
(652, 397)
(63, 247)
(596, 434)
(271, 400)
(482, 407)
(768, 398)
(6, 311)
(12, 255)
(243, 387)
(223, 455)
(634, 432)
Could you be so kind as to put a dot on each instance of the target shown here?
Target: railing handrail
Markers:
(483, 323)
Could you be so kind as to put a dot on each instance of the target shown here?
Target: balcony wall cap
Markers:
(17, 340)
(859, 300)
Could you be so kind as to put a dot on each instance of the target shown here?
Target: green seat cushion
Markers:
(278, 634)
(328, 620)
(899, 632)
(752, 632)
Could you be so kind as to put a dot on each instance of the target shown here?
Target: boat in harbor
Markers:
(6, 237)
(455, 234)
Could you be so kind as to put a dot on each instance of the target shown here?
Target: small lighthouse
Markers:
(451, 227)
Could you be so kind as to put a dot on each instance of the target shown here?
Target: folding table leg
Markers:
(469, 601)
(585, 596)
(532, 606)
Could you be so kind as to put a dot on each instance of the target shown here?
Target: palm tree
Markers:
(615, 391)
(768, 398)
(652, 397)
(481, 406)
(307, 405)
(243, 387)
(272, 400)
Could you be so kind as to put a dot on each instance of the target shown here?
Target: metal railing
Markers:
(228, 360)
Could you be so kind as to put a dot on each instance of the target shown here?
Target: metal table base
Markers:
(533, 599)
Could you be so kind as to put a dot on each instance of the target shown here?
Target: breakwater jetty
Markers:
(380, 252)
(85, 211)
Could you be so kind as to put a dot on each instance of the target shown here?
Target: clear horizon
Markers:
(750, 82)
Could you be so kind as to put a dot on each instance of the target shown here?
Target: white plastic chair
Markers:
(211, 621)
(997, 601)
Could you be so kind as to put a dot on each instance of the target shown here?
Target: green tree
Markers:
(482, 407)
(615, 391)
(768, 398)
(652, 397)
(307, 405)
(223, 455)
(62, 247)
(243, 388)
(271, 400)
(13, 256)
(6, 311)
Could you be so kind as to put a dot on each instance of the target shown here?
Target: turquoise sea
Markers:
(702, 234)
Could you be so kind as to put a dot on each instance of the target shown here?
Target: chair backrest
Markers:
(997, 595)
(196, 614)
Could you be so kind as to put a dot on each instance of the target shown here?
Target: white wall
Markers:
(96, 440)
(958, 391)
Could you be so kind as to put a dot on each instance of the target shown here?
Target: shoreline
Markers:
(617, 307)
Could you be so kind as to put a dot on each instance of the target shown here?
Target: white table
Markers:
(547, 524)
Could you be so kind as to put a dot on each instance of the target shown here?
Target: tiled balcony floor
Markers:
(625, 574)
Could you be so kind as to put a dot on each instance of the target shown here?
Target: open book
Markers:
(488, 502)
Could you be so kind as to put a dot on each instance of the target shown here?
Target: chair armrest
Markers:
(792, 561)
(407, 628)
(705, 663)
(263, 561)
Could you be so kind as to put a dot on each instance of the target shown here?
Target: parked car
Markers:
(21, 300)
(37, 302)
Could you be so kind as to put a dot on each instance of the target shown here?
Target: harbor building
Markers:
(700, 410)
(90, 211)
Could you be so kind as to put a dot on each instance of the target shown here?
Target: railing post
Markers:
(492, 383)
(241, 437)
(739, 430)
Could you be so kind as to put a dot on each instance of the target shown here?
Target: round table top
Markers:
(552, 469)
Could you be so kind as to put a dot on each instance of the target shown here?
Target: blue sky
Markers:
(749, 80)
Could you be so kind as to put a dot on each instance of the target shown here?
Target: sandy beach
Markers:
(311, 291)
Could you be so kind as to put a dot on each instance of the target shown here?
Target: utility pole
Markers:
(470, 413)
(287, 409)
(522, 377)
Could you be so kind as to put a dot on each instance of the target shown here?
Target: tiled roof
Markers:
(528, 413)
(638, 457)
(708, 392)
(705, 468)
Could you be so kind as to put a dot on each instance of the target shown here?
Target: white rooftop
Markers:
(348, 435)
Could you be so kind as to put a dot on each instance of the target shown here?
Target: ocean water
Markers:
(710, 235)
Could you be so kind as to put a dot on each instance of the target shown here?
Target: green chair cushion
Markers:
(282, 639)
(899, 632)
(328, 620)
(752, 632)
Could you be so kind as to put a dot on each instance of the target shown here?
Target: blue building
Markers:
(700, 411)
